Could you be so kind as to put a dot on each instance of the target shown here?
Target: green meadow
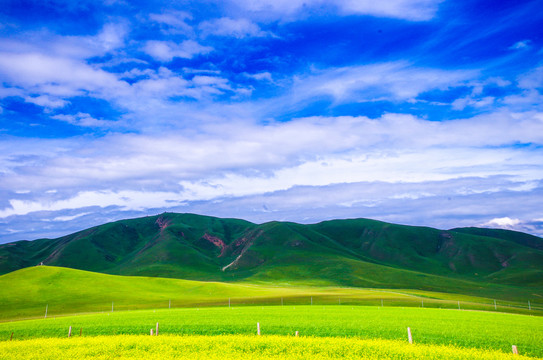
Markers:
(458, 328)
(62, 291)
(40, 304)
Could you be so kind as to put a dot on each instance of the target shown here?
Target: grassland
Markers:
(351, 288)
(236, 347)
(464, 329)
(63, 291)
(342, 322)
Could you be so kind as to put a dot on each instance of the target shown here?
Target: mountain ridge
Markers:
(348, 252)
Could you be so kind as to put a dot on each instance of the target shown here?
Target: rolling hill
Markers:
(356, 252)
(27, 293)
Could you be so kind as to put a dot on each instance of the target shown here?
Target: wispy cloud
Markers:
(167, 50)
(394, 81)
(46, 101)
(130, 200)
(83, 119)
(173, 22)
(420, 10)
(521, 45)
(238, 28)
(56, 76)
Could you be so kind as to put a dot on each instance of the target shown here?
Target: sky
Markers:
(417, 112)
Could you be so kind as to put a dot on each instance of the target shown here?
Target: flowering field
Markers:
(235, 347)
(468, 330)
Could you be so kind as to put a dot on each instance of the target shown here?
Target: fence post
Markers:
(46, 306)
(11, 338)
(151, 332)
(296, 333)
(70, 332)
(112, 306)
(529, 306)
(495, 308)
(258, 328)
(409, 337)
(156, 329)
(515, 350)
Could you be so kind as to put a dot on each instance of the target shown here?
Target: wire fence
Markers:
(527, 308)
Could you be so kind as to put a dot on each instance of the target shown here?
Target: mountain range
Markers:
(352, 253)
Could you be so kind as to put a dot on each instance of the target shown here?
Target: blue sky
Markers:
(422, 112)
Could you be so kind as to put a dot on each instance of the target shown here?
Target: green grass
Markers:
(26, 293)
(464, 329)
(200, 311)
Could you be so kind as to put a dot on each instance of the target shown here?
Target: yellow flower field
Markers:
(226, 347)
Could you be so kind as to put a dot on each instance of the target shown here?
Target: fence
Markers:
(528, 308)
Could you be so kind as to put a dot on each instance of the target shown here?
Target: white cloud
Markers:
(263, 76)
(208, 80)
(527, 225)
(391, 81)
(396, 168)
(159, 84)
(164, 83)
(70, 217)
(165, 51)
(55, 76)
(46, 101)
(201, 71)
(521, 45)
(504, 222)
(173, 22)
(109, 39)
(85, 120)
(532, 79)
(530, 97)
(49, 80)
(238, 28)
(439, 205)
(288, 10)
(128, 200)
(399, 167)
(418, 10)
(239, 159)
(462, 103)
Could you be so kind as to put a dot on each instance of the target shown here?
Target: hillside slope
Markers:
(30, 291)
(357, 252)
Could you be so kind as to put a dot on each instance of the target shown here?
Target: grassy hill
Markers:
(66, 290)
(27, 293)
(357, 252)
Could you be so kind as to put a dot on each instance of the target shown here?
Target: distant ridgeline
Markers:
(357, 252)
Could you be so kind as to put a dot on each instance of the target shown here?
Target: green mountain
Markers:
(357, 252)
